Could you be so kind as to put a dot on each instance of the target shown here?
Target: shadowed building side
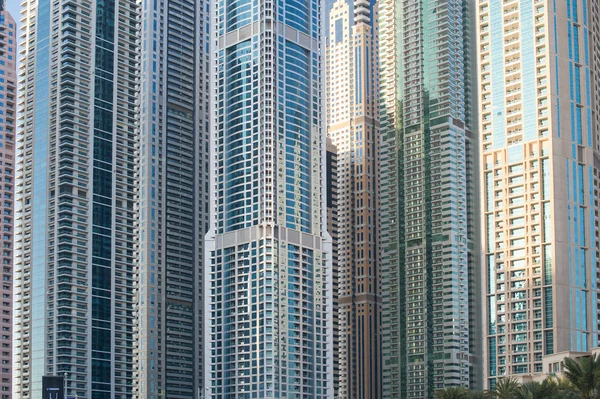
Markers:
(353, 127)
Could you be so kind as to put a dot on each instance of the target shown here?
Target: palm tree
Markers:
(452, 393)
(566, 390)
(547, 389)
(478, 395)
(584, 375)
(506, 388)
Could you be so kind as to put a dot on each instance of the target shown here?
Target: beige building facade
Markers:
(352, 126)
(539, 184)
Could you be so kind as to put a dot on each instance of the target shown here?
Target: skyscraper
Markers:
(8, 115)
(75, 244)
(333, 230)
(540, 143)
(353, 126)
(268, 280)
(173, 195)
(112, 188)
(428, 238)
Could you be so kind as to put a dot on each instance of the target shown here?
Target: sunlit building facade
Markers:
(540, 157)
(76, 236)
(353, 127)
(268, 277)
(112, 193)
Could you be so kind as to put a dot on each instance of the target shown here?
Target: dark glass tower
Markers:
(173, 198)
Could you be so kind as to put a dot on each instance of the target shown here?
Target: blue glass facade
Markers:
(577, 183)
(102, 202)
(295, 132)
(40, 196)
(241, 194)
(266, 280)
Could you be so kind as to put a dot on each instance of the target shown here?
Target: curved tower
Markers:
(268, 275)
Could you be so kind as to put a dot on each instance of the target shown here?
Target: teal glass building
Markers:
(268, 277)
(430, 285)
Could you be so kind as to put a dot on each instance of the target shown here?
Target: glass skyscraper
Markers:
(112, 198)
(428, 215)
(540, 155)
(268, 277)
(76, 236)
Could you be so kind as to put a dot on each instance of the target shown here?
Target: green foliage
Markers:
(478, 395)
(581, 381)
(548, 389)
(452, 393)
(458, 393)
(506, 388)
(584, 375)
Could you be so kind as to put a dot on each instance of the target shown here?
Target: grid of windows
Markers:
(268, 277)
(429, 269)
(7, 163)
(76, 252)
(536, 223)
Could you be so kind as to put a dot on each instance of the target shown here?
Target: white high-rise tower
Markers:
(268, 267)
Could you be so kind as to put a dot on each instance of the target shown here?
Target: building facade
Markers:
(333, 230)
(8, 123)
(173, 198)
(268, 282)
(113, 198)
(353, 127)
(76, 242)
(428, 231)
(540, 146)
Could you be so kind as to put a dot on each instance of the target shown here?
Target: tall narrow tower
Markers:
(75, 244)
(173, 198)
(540, 144)
(8, 118)
(268, 280)
(428, 262)
(113, 192)
(353, 127)
(333, 230)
